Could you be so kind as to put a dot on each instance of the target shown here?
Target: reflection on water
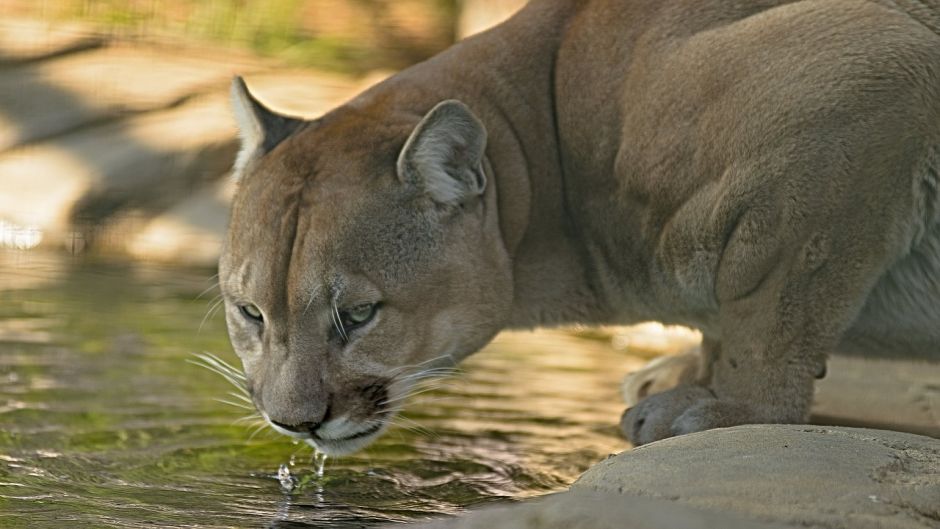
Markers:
(19, 237)
(103, 422)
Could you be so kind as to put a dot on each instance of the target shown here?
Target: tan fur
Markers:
(764, 171)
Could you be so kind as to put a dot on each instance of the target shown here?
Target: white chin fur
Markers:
(331, 447)
(345, 447)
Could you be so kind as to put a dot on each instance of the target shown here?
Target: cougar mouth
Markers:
(333, 445)
(368, 431)
(349, 444)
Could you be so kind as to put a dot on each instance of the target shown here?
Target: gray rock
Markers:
(592, 510)
(801, 475)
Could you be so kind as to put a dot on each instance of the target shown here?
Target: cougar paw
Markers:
(652, 419)
(661, 374)
(713, 414)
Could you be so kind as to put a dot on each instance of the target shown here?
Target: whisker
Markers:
(253, 420)
(409, 395)
(204, 292)
(309, 303)
(217, 302)
(262, 427)
(399, 369)
(338, 322)
(241, 397)
(232, 379)
(426, 375)
(424, 399)
(214, 361)
(401, 422)
(236, 404)
(222, 368)
(435, 371)
(334, 321)
(411, 425)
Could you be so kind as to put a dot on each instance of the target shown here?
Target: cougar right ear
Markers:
(444, 154)
(260, 128)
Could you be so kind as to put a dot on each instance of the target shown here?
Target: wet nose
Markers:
(304, 427)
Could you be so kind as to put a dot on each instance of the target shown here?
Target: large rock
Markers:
(757, 476)
(800, 475)
(591, 510)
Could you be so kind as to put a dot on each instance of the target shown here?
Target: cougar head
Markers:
(363, 253)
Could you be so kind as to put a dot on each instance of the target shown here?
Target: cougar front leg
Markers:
(787, 290)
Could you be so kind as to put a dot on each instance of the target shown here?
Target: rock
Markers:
(799, 475)
(587, 510)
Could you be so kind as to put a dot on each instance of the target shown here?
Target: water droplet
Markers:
(288, 482)
(320, 459)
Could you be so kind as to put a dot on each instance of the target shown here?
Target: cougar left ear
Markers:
(444, 154)
(260, 128)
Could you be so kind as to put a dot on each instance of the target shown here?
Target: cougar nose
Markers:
(304, 427)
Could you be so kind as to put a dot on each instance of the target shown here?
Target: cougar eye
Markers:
(357, 316)
(251, 312)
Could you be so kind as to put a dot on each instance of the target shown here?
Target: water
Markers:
(103, 422)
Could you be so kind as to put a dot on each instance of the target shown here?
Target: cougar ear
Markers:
(444, 154)
(260, 128)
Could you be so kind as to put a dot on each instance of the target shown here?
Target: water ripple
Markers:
(105, 424)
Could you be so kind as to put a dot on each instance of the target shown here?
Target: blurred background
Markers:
(115, 132)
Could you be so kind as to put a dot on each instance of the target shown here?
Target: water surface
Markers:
(103, 422)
